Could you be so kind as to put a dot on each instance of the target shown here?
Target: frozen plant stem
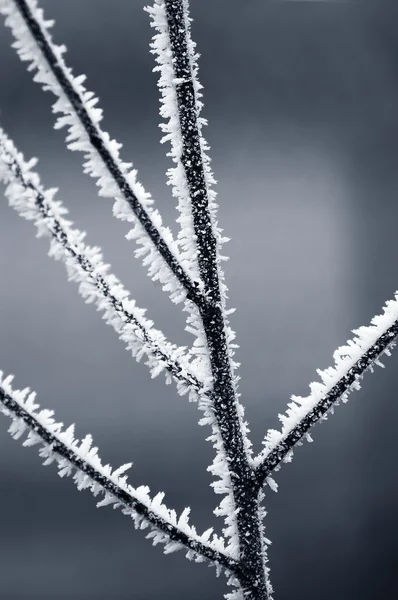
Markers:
(225, 401)
(61, 447)
(189, 268)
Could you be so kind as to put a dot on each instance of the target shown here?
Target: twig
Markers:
(60, 446)
(351, 363)
(84, 264)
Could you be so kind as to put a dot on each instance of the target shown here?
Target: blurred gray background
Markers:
(302, 99)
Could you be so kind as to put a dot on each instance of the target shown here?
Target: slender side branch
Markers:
(28, 197)
(244, 523)
(85, 134)
(352, 361)
(82, 459)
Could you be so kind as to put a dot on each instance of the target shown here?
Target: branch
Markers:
(233, 460)
(351, 363)
(168, 84)
(160, 47)
(85, 265)
(82, 461)
(178, 176)
(114, 177)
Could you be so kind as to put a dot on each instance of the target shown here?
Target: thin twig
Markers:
(90, 473)
(304, 413)
(130, 319)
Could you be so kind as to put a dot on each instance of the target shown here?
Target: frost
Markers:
(177, 176)
(171, 88)
(116, 179)
(75, 459)
(85, 265)
(189, 268)
(352, 360)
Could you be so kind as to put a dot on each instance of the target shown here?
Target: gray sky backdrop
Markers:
(302, 99)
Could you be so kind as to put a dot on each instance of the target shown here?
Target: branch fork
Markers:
(189, 268)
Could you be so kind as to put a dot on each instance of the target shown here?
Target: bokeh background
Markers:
(302, 99)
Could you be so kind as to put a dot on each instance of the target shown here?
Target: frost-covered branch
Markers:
(200, 239)
(351, 362)
(115, 178)
(81, 460)
(180, 177)
(85, 265)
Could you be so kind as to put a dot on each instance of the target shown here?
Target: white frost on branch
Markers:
(78, 139)
(85, 265)
(222, 485)
(349, 357)
(177, 179)
(210, 192)
(262, 513)
(80, 460)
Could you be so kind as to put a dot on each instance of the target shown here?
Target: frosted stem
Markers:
(225, 400)
(61, 447)
(304, 413)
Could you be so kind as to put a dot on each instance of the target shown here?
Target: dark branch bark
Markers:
(276, 456)
(97, 143)
(252, 574)
(127, 500)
